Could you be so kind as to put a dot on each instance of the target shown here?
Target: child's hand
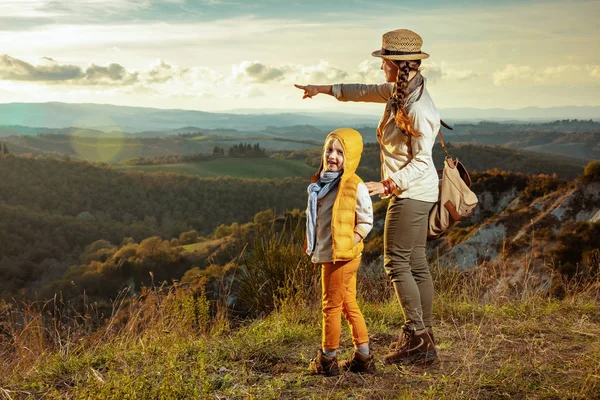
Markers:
(375, 188)
(357, 238)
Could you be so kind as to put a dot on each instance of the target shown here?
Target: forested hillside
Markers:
(51, 209)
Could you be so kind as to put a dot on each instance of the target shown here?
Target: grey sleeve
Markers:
(359, 92)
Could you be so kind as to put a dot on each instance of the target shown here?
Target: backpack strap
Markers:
(445, 125)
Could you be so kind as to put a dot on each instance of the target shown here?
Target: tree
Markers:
(188, 237)
(264, 218)
(222, 231)
(218, 151)
(591, 172)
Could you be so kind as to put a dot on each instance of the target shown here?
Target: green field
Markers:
(256, 168)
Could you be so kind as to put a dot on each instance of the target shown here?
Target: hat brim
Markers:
(406, 57)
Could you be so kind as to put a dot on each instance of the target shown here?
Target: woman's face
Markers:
(390, 69)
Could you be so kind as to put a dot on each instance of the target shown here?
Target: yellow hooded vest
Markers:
(343, 219)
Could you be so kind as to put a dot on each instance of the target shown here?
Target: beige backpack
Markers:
(456, 201)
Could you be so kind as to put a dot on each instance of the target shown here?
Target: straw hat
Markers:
(401, 44)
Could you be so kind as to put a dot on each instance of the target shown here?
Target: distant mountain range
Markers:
(138, 119)
(527, 114)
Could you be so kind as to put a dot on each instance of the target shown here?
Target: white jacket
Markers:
(407, 160)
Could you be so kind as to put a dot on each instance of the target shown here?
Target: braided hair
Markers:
(399, 97)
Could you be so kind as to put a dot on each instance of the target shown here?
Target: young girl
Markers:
(338, 217)
(406, 134)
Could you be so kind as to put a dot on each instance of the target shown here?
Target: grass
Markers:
(203, 246)
(163, 344)
(254, 168)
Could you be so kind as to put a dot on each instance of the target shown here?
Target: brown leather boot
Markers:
(400, 342)
(359, 363)
(414, 348)
(324, 365)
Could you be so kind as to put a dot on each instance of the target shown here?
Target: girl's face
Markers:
(390, 69)
(333, 158)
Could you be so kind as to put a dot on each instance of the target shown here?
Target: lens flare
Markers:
(104, 144)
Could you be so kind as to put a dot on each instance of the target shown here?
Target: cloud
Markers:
(17, 70)
(546, 76)
(594, 70)
(432, 72)
(79, 7)
(459, 75)
(110, 75)
(252, 92)
(160, 73)
(51, 11)
(257, 72)
(322, 73)
(163, 72)
(513, 73)
(165, 77)
(435, 72)
(369, 71)
(51, 71)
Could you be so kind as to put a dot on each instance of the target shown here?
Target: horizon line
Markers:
(272, 110)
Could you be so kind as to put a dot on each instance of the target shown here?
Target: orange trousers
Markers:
(339, 296)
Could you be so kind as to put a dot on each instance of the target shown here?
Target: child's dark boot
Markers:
(324, 365)
(359, 363)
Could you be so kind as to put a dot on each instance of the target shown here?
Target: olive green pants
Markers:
(405, 263)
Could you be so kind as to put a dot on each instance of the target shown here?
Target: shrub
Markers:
(591, 172)
(577, 250)
(222, 231)
(273, 269)
(188, 237)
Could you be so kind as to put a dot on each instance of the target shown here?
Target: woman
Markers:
(406, 134)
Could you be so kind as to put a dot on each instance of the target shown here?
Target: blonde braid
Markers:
(402, 120)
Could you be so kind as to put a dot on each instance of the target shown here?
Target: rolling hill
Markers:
(107, 117)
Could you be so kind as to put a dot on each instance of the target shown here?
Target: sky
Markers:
(220, 55)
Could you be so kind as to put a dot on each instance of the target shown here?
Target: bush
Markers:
(274, 269)
(577, 250)
(264, 218)
(189, 237)
(591, 172)
(222, 231)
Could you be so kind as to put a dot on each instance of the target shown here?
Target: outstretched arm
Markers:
(363, 92)
(351, 92)
(313, 90)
